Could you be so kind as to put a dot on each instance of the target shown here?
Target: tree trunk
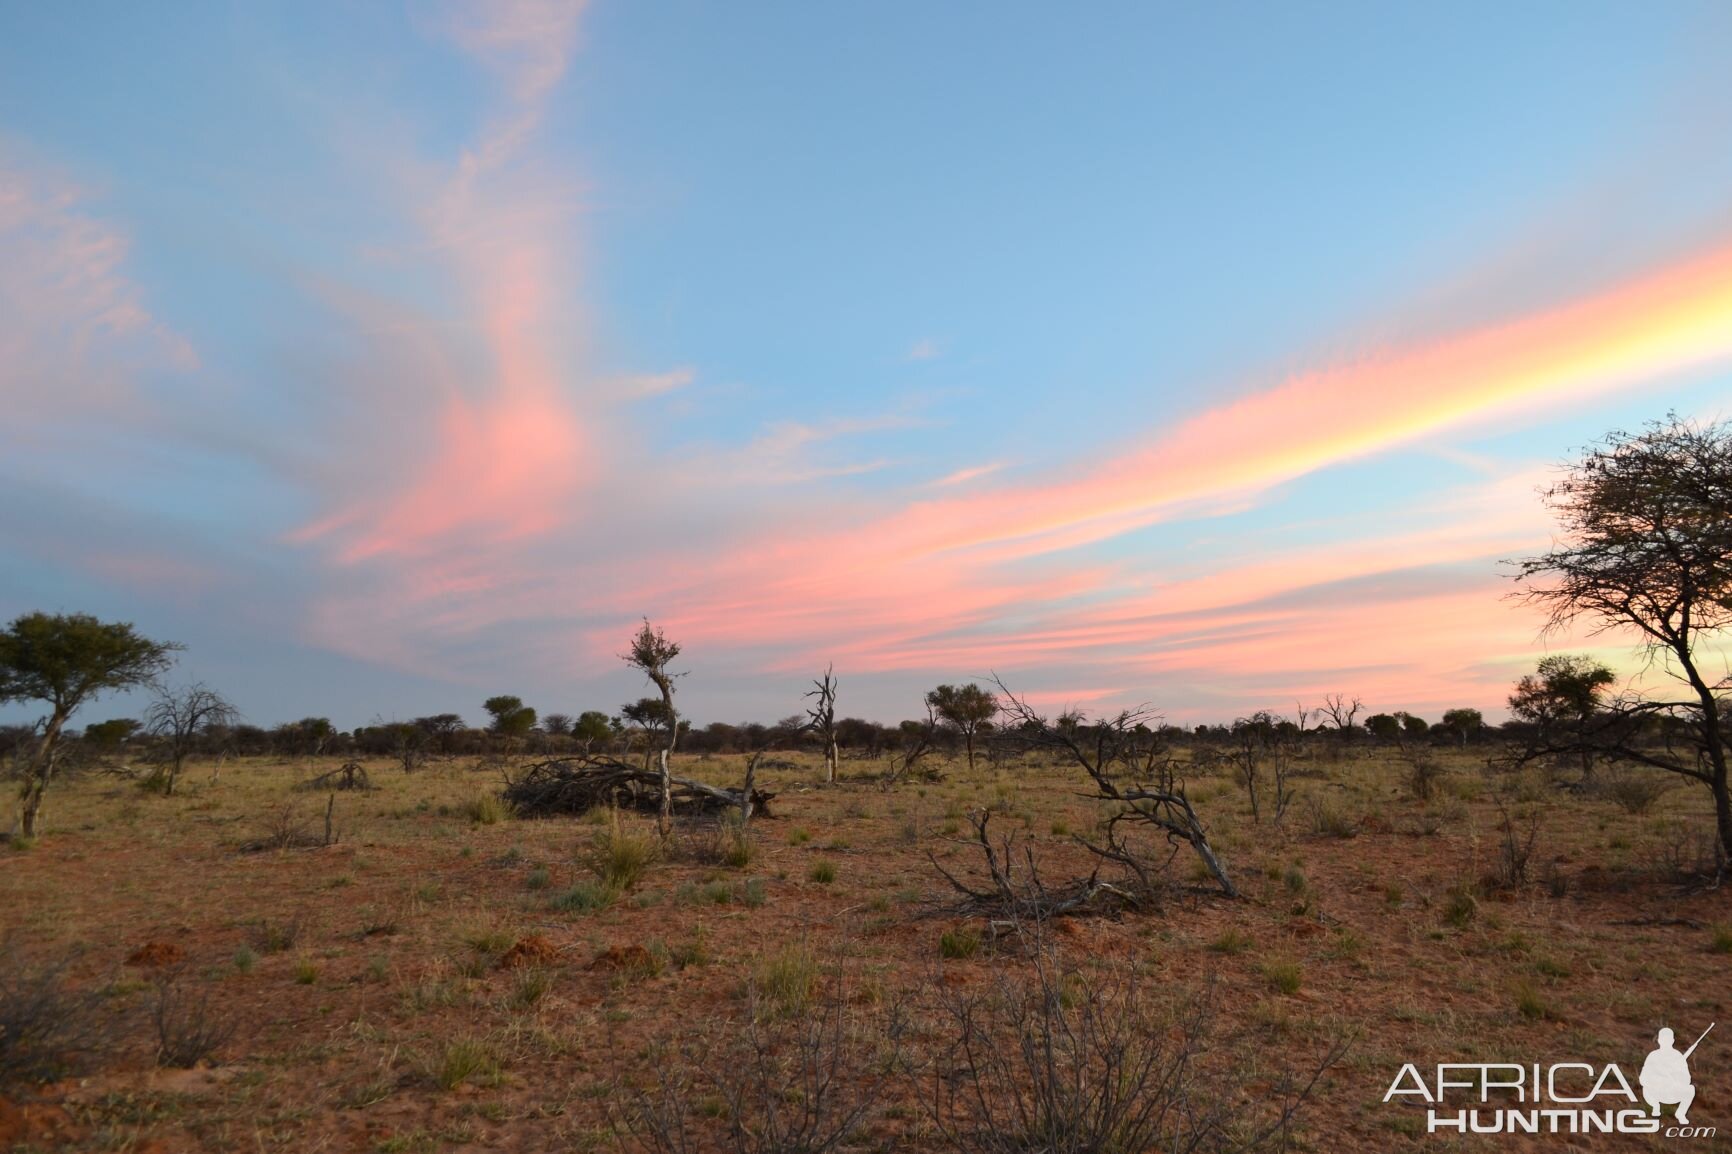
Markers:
(1714, 745)
(968, 739)
(830, 758)
(36, 783)
(664, 820)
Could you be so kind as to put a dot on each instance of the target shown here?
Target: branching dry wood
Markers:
(576, 785)
(1028, 898)
(1108, 750)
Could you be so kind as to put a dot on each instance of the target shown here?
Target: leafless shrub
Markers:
(1027, 897)
(287, 830)
(45, 1027)
(1330, 820)
(768, 1084)
(1517, 840)
(1690, 853)
(1072, 1063)
(187, 1030)
(1423, 773)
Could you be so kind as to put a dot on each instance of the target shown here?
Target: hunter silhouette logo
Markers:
(1666, 1076)
(1562, 1098)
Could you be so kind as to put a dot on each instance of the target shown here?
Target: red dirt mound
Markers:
(623, 958)
(156, 954)
(533, 950)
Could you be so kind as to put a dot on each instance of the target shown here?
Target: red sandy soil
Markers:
(349, 972)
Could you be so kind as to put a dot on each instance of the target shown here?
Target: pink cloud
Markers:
(75, 332)
(897, 590)
(508, 454)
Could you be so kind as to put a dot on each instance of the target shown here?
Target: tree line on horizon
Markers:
(1647, 547)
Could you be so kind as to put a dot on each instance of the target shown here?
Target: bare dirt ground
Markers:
(434, 981)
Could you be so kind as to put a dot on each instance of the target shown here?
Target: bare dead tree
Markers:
(822, 719)
(917, 739)
(651, 653)
(1288, 746)
(177, 719)
(1341, 711)
(1117, 753)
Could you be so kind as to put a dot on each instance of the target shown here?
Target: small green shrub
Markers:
(1461, 908)
(823, 872)
(1232, 942)
(1283, 977)
(788, 978)
(584, 898)
(619, 855)
(959, 943)
(465, 1060)
(486, 809)
(529, 987)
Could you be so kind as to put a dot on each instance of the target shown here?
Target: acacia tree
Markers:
(511, 718)
(177, 719)
(651, 653)
(1463, 723)
(590, 727)
(821, 718)
(652, 716)
(968, 709)
(1561, 698)
(110, 735)
(64, 660)
(1647, 548)
(407, 741)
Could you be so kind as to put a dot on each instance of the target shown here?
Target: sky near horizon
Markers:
(395, 355)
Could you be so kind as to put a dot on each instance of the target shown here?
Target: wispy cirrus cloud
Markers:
(889, 589)
(508, 451)
(75, 330)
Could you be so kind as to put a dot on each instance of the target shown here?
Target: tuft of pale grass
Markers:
(788, 978)
(487, 809)
(619, 855)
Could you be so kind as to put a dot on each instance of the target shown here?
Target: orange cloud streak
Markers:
(942, 564)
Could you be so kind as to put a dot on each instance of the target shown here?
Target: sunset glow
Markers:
(538, 318)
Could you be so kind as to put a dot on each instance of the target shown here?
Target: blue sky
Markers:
(391, 356)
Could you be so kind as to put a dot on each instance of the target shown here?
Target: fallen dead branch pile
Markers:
(1027, 897)
(350, 775)
(576, 785)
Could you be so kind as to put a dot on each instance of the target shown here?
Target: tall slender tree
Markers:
(651, 653)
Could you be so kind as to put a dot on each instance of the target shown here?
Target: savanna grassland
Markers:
(448, 976)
